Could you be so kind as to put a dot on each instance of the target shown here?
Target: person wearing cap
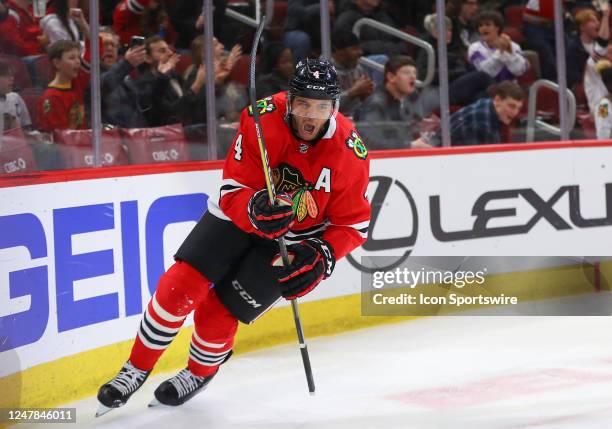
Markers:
(354, 80)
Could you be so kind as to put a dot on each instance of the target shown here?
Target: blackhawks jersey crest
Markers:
(289, 180)
(264, 106)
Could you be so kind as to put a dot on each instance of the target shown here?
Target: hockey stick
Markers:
(272, 195)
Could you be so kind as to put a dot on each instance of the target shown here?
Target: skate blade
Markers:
(103, 409)
(155, 403)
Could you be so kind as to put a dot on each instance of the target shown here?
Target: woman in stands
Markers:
(67, 23)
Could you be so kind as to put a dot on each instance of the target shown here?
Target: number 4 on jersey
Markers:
(238, 148)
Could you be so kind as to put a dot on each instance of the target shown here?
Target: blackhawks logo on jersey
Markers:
(603, 110)
(289, 180)
(354, 142)
(264, 106)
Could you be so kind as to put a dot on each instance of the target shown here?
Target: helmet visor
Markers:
(313, 108)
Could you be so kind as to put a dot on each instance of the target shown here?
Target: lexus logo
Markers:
(396, 233)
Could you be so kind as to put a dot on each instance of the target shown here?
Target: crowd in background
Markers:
(153, 74)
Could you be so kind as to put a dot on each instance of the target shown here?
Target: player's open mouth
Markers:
(308, 128)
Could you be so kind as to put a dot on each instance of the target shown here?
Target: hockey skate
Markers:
(180, 388)
(117, 391)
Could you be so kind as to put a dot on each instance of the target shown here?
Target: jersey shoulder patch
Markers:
(264, 106)
(355, 143)
(603, 111)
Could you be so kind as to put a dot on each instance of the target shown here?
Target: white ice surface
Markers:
(443, 372)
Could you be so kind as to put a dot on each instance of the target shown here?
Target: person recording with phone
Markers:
(119, 92)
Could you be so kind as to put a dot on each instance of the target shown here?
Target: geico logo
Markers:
(15, 165)
(316, 87)
(511, 201)
(53, 266)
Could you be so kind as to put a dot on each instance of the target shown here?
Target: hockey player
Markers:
(321, 172)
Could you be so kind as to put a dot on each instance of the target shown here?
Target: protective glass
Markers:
(313, 108)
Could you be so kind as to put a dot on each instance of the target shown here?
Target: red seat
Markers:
(582, 104)
(43, 71)
(547, 106)
(240, 72)
(515, 34)
(532, 74)
(15, 153)
(77, 150)
(154, 145)
(22, 76)
(514, 16)
(31, 97)
(587, 123)
(183, 64)
(276, 27)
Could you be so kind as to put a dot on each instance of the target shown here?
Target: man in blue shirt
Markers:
(481, 122)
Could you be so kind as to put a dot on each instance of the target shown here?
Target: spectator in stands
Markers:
(120, 104)
(462, 13)
(160, 92)
(465, 84)
(276, 71)
(19, 30)
(142, 18)
(188, 17)
(303, 26)
(496, 54)
(406, 13)
(11, 40)
(230, 98)
(13, 110)
(398, 98)
(482, 122)
(593, 85)
(65, 23)
(373, 41)
(353, 79)
(62, 104)
(539, 32)
(592, 40)
(603, 117)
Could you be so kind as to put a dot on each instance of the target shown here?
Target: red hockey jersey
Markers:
(327, 181)
(63, 107)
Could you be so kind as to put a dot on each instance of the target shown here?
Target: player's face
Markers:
(507, 108)
(6, 83)
(309, 116)
(70, 63)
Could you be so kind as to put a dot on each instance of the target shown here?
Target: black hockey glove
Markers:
(270, 221)
(312, 260)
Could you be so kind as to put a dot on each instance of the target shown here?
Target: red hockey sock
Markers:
(179, 290)
(213, 336)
